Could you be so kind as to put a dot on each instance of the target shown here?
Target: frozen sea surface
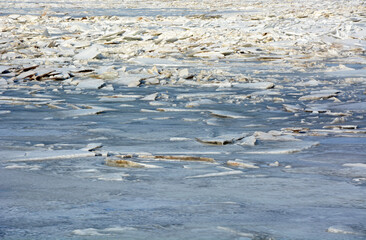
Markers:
(138, 119)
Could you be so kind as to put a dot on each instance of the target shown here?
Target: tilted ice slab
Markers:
(51, 155)
(83, 112)
(226, 114)
(89, 53)
(322, 94)
(217, 174)
(91, 84)
(222, 140)
(286, 148)
(258, 85)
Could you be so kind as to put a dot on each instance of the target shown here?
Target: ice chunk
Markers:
(83, 112)
(89, 53)
(226, 114)
(210, 55)
(238, 163)
(151, 97)
(241, 234)
(248, 141)
(184, 73)
(26, 74)
(87, 232)
(122, 163)
(102, 232)
(178, 158)
(288, 148)
(342, 229)
(52, 155)
(43, 72)
(222, 140)
(322, 94)
(130, 80)
(4, 69)
(91, 84)
(4, 112)
(355, 165)
(274, 136)
(292, 108)
(177, 110)
(257, 85)
(92, 146)
(216, 174)
(199, 103)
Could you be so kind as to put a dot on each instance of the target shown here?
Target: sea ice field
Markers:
(142, 119)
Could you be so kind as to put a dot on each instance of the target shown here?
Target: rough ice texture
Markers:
(290, 74)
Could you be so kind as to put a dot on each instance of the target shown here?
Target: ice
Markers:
(4, 69)
(219, 174)
(210, 55)
(106, 232)
(92, 146)
(87, 232)
(248, 141)
(91, 84)
(247, 115)
(241, 234)
(292, 108)
(258, 85)
(274, 136)
(83, 112)
(287, 148)
(222, 140)
(355, 165)
(178, 158)
(322, 94)
(358, 107)
(342, 229)
(89, 53)
(238, 163)
(50, 155)
(226, 114)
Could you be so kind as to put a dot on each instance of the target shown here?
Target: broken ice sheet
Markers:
(94, 110)
(292, 108)
(354, 170)
(239, 163)
(50, 155)
(216, 174)
(178, 158)
(274, 136)
(102, 232)
(283, 147)
(248, 141)
(344, 229)
(123, 163)
(257, 85)
(222, 140)
(91, 84)
(321, 94)
(89, 53)
(226, 114)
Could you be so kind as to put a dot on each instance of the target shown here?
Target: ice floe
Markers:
(216, 174)
(51, 155)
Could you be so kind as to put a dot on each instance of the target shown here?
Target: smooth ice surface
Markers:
(183, 119)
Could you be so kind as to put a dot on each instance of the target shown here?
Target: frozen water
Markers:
(244, 119)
